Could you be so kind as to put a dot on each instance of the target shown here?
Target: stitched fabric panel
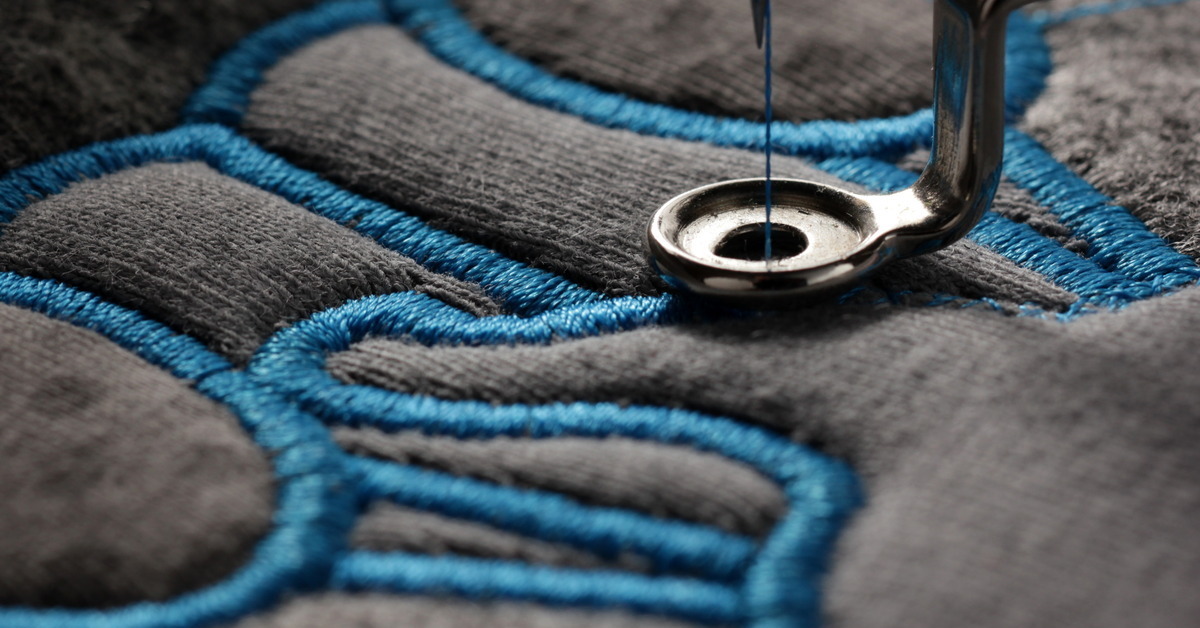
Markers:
(118, 483)
(148, 237)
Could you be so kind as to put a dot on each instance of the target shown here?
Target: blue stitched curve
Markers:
(521, 288)
(780, 586)
(671, 546)
(490, 579)
(313, 513)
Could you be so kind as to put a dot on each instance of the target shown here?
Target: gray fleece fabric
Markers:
(1024, 460)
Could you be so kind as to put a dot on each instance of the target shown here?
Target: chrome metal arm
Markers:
(837, 236)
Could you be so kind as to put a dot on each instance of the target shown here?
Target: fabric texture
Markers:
(119, 483)
(350, 323)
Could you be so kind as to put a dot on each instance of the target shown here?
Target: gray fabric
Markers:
(147, 238)
(1009, 460)
(391, 528)
(663, 480)
(545, 188)
(117, 482)
(77, 72)
(1123, 109)
(384, 611)
(1019, 472)
(843, 60)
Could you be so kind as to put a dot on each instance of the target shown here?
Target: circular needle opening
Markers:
(748, 242)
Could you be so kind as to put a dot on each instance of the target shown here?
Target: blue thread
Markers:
(822, 491)
(522, 288)
(767, 124)
(1119, 241)
(487, 579)
(1048, 18)
(313, 513)
(672, 546)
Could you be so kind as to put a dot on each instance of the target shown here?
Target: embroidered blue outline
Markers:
(313, 511)
(821, 491)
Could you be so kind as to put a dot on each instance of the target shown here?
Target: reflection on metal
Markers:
(695, 238)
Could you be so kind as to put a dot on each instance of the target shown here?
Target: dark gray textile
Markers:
(996, 496)
(1121, 109)
(508, 174)
(383, 611)
(73, 73)
(852, 59)
(391, 528)
(147, 238)
(117, 482)
(662, 480)
(1019, 471)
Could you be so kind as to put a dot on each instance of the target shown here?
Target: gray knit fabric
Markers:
(147, 238)
(512, 175)
(1018, 471)
(661, 480)
(73, 73)
(385, 611)
(390, 528)
(844, 60)
(1121, 108)
(117, 482)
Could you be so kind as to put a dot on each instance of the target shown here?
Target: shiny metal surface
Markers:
(699, 240)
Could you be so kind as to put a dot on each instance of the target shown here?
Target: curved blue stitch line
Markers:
(672, 546)
(489, 579)
(313, 513)
(1119, 241)
(822, 491)
(522, 288)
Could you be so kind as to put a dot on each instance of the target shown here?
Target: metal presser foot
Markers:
(710, 240)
